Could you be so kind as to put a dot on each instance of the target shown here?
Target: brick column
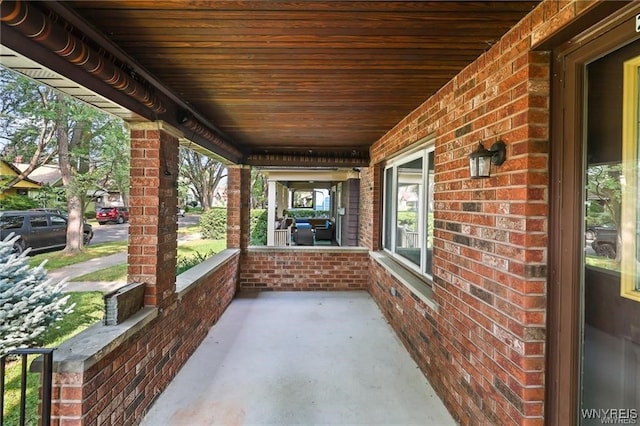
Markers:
(238, 206)
(153, 201)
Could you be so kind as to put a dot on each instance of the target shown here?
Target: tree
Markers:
(203, 173)
(91, 148)
(258, 190)
(29, 302)
(89, 143)
(28, 122)
(603, 187)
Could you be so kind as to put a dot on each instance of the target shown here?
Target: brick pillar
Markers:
(153, 201)
(238, 206)
(372, 179)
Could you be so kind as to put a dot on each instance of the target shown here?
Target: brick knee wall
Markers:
(304, 269)
(418, 328)
(465, 368)
(122, 386)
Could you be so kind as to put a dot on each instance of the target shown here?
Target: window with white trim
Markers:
(408, 209)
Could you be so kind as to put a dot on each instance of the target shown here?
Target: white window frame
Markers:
(422, 150)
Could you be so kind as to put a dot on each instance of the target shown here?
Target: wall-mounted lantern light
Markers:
(481, 159)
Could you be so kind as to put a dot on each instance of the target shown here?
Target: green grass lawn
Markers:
(59, 259)
(112, 273)
(186, 249)
(88, 311)
(188, 230)
(603, 262)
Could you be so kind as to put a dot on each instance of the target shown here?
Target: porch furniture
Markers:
(324, 232)
(304, 237)
(282, 237)
(407, 238)
(316, 222)
(412, 239)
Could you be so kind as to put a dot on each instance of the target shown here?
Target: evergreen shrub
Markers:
(29, 301)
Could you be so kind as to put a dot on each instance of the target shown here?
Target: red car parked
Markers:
(112, 214)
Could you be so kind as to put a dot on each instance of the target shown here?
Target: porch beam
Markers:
(34, 34)
(360, 159)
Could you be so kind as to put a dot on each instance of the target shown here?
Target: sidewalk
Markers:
(87, 267)
(96, 264)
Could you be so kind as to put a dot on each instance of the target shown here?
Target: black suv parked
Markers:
(40, 230)
(604, 240)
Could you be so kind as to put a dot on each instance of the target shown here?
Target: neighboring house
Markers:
(107, 198)
(7, 173)
(46, 174)
(219, 196)
(49, 175)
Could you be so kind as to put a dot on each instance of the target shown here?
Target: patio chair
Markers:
(324, 233)
(304, 237)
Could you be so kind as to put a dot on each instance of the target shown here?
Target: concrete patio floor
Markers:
(300, 358)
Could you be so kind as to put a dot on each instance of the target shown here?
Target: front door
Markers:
(610, 370)
(595, 314)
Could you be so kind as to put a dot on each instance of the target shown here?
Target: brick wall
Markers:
(304, 268)
(425, 338)
(484, 350)
(121, 387)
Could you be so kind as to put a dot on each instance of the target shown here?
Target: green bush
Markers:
(18, 202)
(258, 227)
(307, 213)
(188, 262)
(213, 224)
(90, 214)
(301, 213)
(407, 218)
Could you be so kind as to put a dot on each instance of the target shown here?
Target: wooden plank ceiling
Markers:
(321, 77)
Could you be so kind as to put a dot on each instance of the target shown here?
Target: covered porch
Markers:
(328, 197)
(469, 273)
(294, 358)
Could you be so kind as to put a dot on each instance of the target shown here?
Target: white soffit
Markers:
(31, 69)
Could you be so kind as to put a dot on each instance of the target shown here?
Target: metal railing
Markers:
(47, 381)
